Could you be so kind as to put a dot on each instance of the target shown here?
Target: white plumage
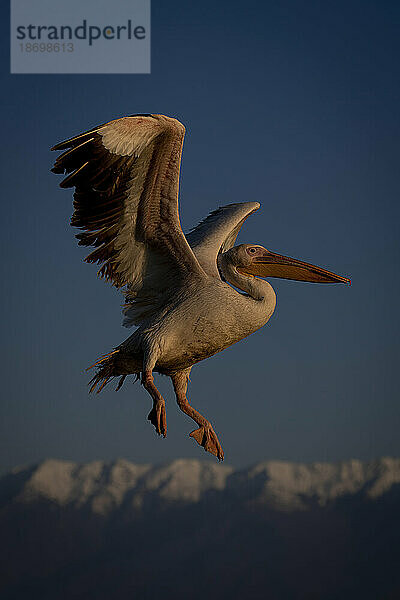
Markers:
(178, 289)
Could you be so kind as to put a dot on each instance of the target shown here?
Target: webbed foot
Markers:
(158, 417)
(206, 437)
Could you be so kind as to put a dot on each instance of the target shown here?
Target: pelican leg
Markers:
(205, 435)
(157, 416)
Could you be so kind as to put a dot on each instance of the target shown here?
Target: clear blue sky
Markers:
(292, 104)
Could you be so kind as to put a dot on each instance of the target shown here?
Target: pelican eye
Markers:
(252, 250)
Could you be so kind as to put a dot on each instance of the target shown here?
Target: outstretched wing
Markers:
(126, 179)
(218, 232)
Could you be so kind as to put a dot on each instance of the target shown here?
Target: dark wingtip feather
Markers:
(70, 181)
(58, 170)
(68, 143)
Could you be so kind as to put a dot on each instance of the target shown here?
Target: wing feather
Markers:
(218, 232)
(126, 179)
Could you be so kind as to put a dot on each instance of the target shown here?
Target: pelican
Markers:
(189, 296)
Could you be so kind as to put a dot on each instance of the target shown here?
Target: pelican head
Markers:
(257, 261)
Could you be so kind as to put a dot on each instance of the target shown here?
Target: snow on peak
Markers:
(106, 486)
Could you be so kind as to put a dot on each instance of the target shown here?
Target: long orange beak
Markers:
(276, 265)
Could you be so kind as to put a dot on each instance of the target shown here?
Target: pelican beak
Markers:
(271, 264)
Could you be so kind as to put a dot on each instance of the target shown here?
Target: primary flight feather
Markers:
(178, 290)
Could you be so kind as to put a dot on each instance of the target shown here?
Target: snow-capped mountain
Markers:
(107, 486)
(193, 529)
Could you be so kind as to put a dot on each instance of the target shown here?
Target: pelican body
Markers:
(189, 296)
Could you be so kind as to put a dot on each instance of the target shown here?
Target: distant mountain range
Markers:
(192, 529)
(107, 487)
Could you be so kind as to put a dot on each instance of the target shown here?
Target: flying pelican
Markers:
(180, 291)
